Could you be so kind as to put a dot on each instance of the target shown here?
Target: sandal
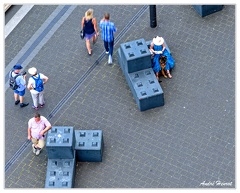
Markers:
(36, 108)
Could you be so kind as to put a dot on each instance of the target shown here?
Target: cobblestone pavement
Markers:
(187, 143)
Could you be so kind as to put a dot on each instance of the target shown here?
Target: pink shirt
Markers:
(37, 127)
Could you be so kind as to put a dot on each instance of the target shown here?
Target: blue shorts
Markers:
(89, 36)
(20, 93)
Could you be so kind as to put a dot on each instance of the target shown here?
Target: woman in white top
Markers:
(36, 86)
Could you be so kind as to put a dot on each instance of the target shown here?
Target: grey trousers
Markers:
(38, 98)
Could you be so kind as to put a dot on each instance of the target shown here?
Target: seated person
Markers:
(158, 48)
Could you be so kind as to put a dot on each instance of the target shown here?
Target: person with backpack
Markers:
(17, 82)
(36, 86)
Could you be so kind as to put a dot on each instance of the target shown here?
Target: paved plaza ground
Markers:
(190, 142)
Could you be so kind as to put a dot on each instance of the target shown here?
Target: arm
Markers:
(82, 23)
(29, 134)
(114, 28)
(45, 130)
(101, 23)
(48, 126)
(30, 84)
(22, 80)
(95, 25)
(151, 48)
(29, 129)
(45, 80)
(164, 47)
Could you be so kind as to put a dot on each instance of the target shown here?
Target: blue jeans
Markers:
(109, 47)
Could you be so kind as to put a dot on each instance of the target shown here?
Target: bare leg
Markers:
(94, 39)
(157, 75)
(88, 47)
(163, 73)
(21, 99)
(15, 96)
(169, 75)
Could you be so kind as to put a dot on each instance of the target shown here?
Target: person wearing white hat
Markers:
(36, 86)
(158, 48)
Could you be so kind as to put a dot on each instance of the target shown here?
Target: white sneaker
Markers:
(109, 59)
(38, 151)
(34, 149)
(107, 52)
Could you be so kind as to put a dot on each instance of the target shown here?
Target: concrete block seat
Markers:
(135, 61)
(60, 173)
(89, 145)
(60, 142)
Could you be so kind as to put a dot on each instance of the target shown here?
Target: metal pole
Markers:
(153, 16)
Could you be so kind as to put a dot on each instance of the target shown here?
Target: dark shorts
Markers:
(20, 93)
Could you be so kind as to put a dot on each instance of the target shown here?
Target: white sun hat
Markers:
(158, 41)
(32, 71)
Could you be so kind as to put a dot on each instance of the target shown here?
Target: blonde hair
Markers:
(89, 14)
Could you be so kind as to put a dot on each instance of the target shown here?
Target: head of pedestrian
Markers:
(32, 71)
(17, 68)
(89, 14)
(106, 16)
(37, 117)
(158, 41)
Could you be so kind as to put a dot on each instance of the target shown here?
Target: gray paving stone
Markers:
(191, 139)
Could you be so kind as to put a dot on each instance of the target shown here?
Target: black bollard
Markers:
(153, 16)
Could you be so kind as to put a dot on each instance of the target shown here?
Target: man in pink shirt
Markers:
(37, 127)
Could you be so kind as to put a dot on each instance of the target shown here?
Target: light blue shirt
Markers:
(20, 82)
(108, 28)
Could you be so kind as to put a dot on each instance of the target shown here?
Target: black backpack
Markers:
(12, 81)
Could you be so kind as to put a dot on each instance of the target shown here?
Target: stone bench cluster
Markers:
(66, 146)
(135, 61)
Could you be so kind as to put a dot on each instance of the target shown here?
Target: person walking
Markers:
(21, 82)
(89, 25)
(36, 86)
(37, 129)
(108, 30)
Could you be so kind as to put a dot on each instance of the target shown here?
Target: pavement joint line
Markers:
(39, 39)
(15, 20)
(85, 75)
(18, 153)
(74, 88)
(139, 13)
(185, 144)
